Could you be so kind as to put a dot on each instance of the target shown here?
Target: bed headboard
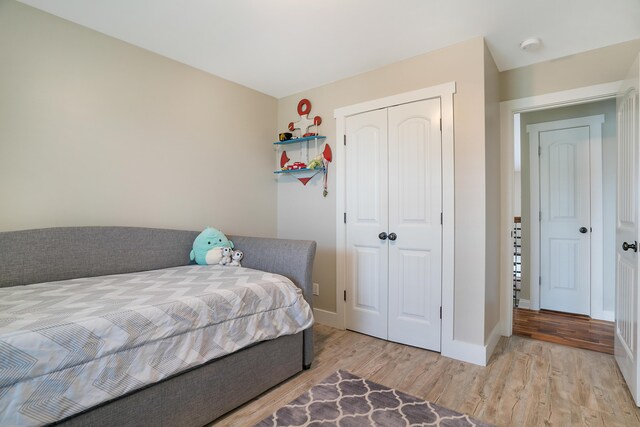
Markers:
(51, 254)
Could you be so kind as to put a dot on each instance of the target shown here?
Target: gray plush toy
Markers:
(227, 252)
(236, 257)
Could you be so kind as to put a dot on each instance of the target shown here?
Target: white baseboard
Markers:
(473, 353)
(328, 318)
(459, 350)
(524, 303)
(607, 315)
(464, 351)
(492, 341)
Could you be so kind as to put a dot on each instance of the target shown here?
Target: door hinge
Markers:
(345, 217)
(441, 125)
(345, 295)
(440, 218)
(539, 150)
(441, 312)
(345, 139)
(539, 215)
(539, 280)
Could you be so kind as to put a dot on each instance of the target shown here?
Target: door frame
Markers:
(445, 92)
(507, 110)
(595, 184)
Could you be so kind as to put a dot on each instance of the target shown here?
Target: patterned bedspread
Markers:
(69, 345)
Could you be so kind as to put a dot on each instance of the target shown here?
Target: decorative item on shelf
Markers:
(316, 163)
(297, 166)
(309, 165)
(284, 160)
(285, 136)
(304, 107)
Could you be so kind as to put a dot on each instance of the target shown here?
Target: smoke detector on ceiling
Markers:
(531, 44)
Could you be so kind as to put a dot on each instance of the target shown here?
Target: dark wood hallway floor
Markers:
(562, 328)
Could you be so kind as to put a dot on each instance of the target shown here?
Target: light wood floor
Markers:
(527, 382)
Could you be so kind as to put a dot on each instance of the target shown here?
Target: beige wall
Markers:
(492, 191)
(304, 213)
(609, 153)
(94, 131)
(597, 66)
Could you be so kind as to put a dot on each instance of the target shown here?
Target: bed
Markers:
(109, 326)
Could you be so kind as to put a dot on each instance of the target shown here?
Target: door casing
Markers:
(597, 235)
(449, 347)
(507, 110)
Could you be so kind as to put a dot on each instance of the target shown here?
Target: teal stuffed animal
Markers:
(207, 247)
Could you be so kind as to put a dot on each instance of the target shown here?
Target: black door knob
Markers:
(382, 236)
(626, 246)
(392, 236)
(583, 230)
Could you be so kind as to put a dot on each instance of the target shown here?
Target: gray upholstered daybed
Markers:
(200, 394)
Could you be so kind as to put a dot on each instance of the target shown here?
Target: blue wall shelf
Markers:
(296, 140)
(300, 170)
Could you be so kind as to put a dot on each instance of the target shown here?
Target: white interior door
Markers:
(367, 216)
(415, 204)
(565, 223)
(627, 315)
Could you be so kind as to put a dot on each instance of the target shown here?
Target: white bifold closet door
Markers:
(367, 299)
(394, 231)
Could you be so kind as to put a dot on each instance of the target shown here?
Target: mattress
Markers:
(67, 346)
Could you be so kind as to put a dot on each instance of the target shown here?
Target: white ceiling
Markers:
(281, 47)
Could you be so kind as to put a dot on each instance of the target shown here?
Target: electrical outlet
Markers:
(316, 289)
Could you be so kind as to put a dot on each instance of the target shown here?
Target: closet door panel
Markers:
(415, 204)
(367, 217)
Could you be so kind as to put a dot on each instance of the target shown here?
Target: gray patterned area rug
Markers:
(346, 400)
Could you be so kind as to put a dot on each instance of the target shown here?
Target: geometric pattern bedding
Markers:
(67, 346)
